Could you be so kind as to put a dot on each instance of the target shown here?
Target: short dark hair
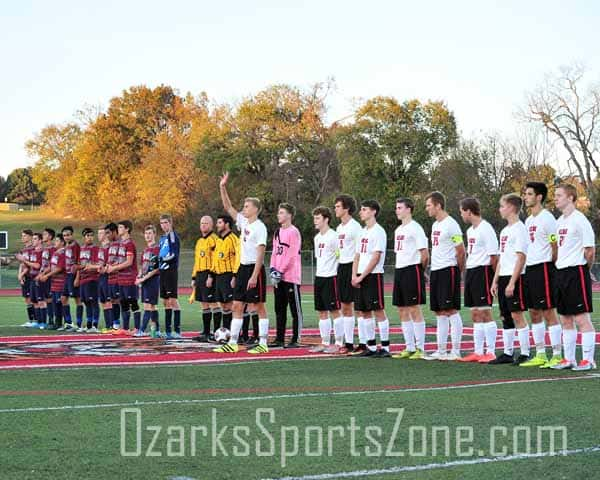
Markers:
(111, 227)
(372, 204)
(569, 189)
(347, 202)
(226, 219)
(471, 204)
(67, 228)
(539, 188)
(324, 212)
(60, 237)
(407, 202)
(27, 231)
(437, 198)
(86, 231)
(51, 233)
(288, 207)
(38, 235)
(514, 200)
(127, 224)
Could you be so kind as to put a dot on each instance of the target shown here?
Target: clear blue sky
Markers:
(478, 56)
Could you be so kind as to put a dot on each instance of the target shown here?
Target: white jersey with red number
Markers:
(252, 235)
(575, 233)
(372, 240)
(409, 239)
(445, 236)
(481, 244)
(513, 240)
(541, 229)
(326, 253)
(348, 235)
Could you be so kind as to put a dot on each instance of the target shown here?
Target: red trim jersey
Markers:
(58, 260)
(88, 255)
(113, 259)
(128, 275)
(72, 256)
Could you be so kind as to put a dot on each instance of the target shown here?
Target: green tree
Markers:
(20, 187)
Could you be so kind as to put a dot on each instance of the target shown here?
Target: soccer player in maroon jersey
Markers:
(23, 277)
(127, 274)
(57, 277)
(149, 280)
(33, 263)
(71, 290)
(48, 249)
(100, 266)
(87, 276)
(114, 294)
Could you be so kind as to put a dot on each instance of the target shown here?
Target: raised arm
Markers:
(225, 196)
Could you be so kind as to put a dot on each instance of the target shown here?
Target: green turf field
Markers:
(71, 423)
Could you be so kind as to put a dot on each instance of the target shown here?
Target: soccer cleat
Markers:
(538, 361)
(176, 335)
(293, 344)
(437, 355)
(403, 354)
(332, 349)
(169, 336)
(259, 349)
(382, 353)
(140, 333)
(520, 359)
(367, 353)
(345, 351)
(471, 358)
(277, 344)
(27, 324)
(202, 338)
(453, 357)
(555, 360)
(34, 325)
(318, 348)
(359, 349)
(81, 330)
(118, 331)
(227, 348)
(418, 355)
(92, 330)
(585, 365)
(106, 330)
(252, 341)
(69, 327)
(564, 365)
(43, 326)
(487, 358)
(502, 359)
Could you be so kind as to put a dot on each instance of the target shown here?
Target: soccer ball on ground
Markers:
(222, 335)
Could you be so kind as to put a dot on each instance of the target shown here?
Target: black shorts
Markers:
(114, 293)
(38, 291)
(344, 279)
(444, 289)
(26, 287)
(168, 283)
(257, 294)
(204, 293)
(103, 295)
(223, 290)
(89, 291)
(150, 290)
(478, 281)
(327, 296)
(516, 303)
(540, 285)
(409, 286)
(129, 292)
(369, 296)
(70, 289)
(574, 290)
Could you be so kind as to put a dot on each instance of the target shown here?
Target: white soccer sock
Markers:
(556, 339)
(491, 332)
(409, 335)
(524, 340)
(570, 343)
(443, 325)
(539, 336)
(362, 333)
(325, 329)
(479, 336)
(508, 336)
(588, 345)
(349, 329)
(384, 334)
(419, 328)
(370, 328)
(338, 330)
(456, 330)
(263, 330)
(236, 326)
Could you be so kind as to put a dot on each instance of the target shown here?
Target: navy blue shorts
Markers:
(150, 290)
(26, 287)
(70, 290)
(129, 292)
(114, 292)
(89, 291)
(103, 294)
(38, 291)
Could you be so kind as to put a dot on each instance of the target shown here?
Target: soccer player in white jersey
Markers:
(367, 279)
(251, 279)
(348, 231)
(412, 256)
(539, 277)
(508, 281)
(447, 262)
(575, 256)
(327, 298)
(482, 259)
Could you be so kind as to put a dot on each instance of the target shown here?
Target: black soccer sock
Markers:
(108, 317)
(227, 319)
(145, 320)
(79, 314)
(245, 325)
(154, 318)
(89, 314)
(30, 312)
(254, 317)
(116, 307)
(206, 319)
(50, 307)
(217, 314)
(168, 317)
(136, 319)
(177, 321)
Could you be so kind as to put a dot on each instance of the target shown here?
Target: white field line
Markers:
(436, 466)
(291, 395)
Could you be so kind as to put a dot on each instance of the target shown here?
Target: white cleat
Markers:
(437, 355)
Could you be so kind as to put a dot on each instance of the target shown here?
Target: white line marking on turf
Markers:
(435, 466)
(192, 401)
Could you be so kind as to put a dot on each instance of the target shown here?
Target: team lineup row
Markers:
(540, 265)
